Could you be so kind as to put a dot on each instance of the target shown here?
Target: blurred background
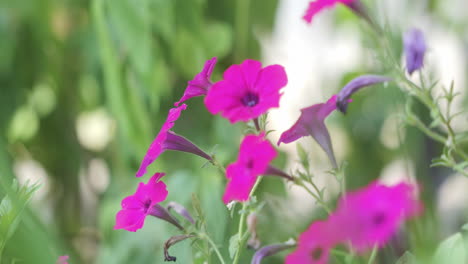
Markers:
(85, 85)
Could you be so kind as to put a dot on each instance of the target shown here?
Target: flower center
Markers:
(250, 99)
(146, 205)
(316, 253)
(250, 164)
(378, 219)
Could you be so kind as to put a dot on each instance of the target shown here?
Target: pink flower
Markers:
(254, 157)
(311, 123)
(247, 91)
(168, 140)
(318, 5)
(62, 260)
(136, 207)
(372, 215)
(201, 83)
(314, 245)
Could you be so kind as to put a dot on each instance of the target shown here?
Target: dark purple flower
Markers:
(311, 123)
(201, 83)
(415, 48)
(355, 85)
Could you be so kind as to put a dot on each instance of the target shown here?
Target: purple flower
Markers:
(311, 123)
(247, 91)
(168, 140)
(415, 48)
(371, 216)
(136, 207)
(355, 85)
(200, 84)
(254, 157)
(314, 245)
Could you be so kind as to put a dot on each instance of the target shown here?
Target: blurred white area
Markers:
(316, 56)
(452, 203)
(95, 129)
(29, 171)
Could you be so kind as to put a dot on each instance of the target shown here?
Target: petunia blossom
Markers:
(317, 6)
(201, 83)
(142, 203)
(254, 157)
(372, 215)
(168, 140)
(311, 123)
(314, 245)
(355, 85)
(246, 91)
(62, 260)
(415, 48)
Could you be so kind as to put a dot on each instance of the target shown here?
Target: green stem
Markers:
(317, 198)
(213, 246)
(240, 232)
(373, 255)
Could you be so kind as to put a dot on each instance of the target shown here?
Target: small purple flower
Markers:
(355, 85)
(311, 123)
(415, 48)
(200, 84)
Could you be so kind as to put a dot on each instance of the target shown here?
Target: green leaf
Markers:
(233, 245)
(451, 250)
(407, 258)
(11, 208)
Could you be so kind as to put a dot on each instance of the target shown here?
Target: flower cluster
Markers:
(363, 219)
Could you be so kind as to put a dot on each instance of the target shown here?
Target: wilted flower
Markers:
(415, 48)
(201, 83)
(270, 250)
(314, 245)
(62, 260)
(254, 157)
(247, 91)
(371, 216)
(355, 85)
(144, 202)
(168, 140)
(311, 123)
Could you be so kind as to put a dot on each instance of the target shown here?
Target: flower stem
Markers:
(373, 255)
(213, 246)
(240, 232)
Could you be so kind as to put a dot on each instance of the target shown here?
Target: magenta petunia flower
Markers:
(415, 49)
(62, 260)
(311, 123)
(168, 140)
(317, 6)
(372, 215)
(201, 83)
(136, 207)
(254, 157)
(247, 91)
(314, 245)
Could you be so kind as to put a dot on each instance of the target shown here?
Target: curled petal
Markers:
(269, 251)
(201, 83)
(157, 146)
(311, 123)
(355, 85)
